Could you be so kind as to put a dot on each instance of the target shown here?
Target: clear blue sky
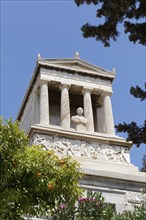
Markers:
(52, 28)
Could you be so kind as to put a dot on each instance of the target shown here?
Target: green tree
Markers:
(131, 13)
(136, 134)
(32, 180)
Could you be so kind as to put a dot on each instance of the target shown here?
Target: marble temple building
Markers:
(67, 107)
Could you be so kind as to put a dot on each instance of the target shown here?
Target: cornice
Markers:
(97, 72)
(93, 136)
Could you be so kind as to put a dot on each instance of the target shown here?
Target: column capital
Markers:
(87, 89)
(65, 85)
(42, 82)
(100, 101)
(106, 93)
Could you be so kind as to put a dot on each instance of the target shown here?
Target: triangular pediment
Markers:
(77, 65)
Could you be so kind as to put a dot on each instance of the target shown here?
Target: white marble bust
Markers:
(79, 120)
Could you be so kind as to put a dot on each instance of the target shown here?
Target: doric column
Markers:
(65, 106)
(108, 114)
(100, 119)
(100, 115)
(88, 111)
(37, 107)
(44, 103)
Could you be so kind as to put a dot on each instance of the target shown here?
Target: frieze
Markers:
(135, 197)
(94, 78)
(79, 148)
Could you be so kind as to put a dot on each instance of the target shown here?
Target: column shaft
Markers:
(65, 106)
(108, 114)
(44, 103)
(100, 119)
(88, 111)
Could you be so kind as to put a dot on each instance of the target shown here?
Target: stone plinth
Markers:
(113, 174)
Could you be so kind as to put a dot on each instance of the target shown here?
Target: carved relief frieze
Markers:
(135, 197)
(80, 148)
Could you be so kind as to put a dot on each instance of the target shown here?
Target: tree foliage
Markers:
(93, 207)
(131, 13)
(136, 134)
(32, 180)
(138, 92)
(139, 213)
(87, 207)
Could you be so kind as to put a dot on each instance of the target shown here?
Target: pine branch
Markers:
(136, 134)
(113, 13)
(137, 92)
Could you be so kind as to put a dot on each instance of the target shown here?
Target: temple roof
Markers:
(75, 64)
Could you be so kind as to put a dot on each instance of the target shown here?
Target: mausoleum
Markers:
(67, 107)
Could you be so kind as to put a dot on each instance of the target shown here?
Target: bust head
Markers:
(79, 111)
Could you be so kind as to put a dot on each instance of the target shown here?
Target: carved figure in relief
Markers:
(40, 141)
(69, 147)
(79, 120)
(78, 148)
(60, 148)
(125, 154)
(135, 197)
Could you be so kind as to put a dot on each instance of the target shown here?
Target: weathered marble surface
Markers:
(135, 197)
(79, 148)
(132, 199)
